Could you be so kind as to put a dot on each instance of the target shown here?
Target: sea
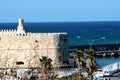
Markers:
(87, 31)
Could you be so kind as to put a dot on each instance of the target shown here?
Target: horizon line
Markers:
(60, 21)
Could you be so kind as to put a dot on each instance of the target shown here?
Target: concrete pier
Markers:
(110, 53)
(101, 50)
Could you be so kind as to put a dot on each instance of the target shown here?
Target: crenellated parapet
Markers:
(21, 32)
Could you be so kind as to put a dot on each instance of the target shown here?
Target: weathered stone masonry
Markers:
(19, 46)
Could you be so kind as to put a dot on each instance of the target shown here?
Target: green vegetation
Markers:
(91, 64)
(85, 61)
(79, 59)
(45, 66)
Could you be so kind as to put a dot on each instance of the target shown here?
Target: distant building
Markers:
(17, 46)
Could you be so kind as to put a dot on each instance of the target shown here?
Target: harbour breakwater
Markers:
(101, 50)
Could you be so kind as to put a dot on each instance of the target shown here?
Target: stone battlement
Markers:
(21, 32)
(14, 33)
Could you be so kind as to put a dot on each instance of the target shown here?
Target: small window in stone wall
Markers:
(60, 57)
(65, 40)
(36, 41)
(23, 34)
(19, 63)
(20, 34)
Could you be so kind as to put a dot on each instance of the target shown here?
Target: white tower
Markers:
(20, 28)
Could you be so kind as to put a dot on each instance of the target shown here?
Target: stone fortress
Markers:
(17, 46)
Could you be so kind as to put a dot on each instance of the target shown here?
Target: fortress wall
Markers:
(29, 47)
(17, 45)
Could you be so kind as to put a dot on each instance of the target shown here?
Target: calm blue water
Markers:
(88, 30)
(106, 61)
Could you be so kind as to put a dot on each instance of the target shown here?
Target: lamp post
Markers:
(91, 41)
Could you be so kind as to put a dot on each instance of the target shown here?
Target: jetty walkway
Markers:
(101, 50)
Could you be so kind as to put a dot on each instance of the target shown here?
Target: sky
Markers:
(59, 10)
